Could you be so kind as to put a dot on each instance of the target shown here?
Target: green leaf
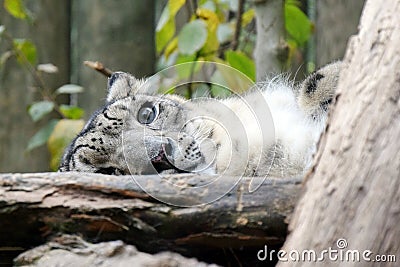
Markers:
(39, 109)
(211, 45)
(210, 5)
(234, 80)
(164, 18)
(26, 51)
(47, 68)
(184, 71)
(248, 16)
(72, 112)
(225, 32)
(192, 37)
(297, 24)
(16, 8)
(41, 137)
(165, 29)
(174, 6)
(293, 2)
(165, 34)
(63, 133)
(69, 89)
(241, 62)
(171, 47)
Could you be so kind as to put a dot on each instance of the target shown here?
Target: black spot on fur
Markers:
(312, 82)
(108, 116)
(211, 133)
(71, 152)
(325, 104)
(109, 170)
(85, 160)
(121, 107)
(113, 78)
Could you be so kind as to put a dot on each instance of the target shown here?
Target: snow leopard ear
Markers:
(121, 84)
(318, 89)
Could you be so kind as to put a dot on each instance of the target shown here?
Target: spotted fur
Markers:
(140, 132)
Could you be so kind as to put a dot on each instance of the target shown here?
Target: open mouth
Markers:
(161, 162)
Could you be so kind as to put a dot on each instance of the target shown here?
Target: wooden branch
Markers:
(238, 26)
(101, 207)
(98, 66)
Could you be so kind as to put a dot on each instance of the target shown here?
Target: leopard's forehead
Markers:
(138, 99)
(161, 98)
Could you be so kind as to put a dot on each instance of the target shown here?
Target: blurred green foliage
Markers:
(214, 32)
(57, 132)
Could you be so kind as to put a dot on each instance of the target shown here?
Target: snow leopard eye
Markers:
(147, 113)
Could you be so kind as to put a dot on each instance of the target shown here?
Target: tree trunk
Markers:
(102, 207)
(353, 191)
(336, 21)
(271, 51)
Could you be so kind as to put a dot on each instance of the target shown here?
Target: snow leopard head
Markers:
(137, 132)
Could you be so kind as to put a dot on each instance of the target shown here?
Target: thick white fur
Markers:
(293, 128)
(281, 143)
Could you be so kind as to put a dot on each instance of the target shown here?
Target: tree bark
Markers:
(70, 250)
(336, 22)
(353, 191)
(102, 207)
(271, 51)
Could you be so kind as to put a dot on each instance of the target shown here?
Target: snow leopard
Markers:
(270, 130)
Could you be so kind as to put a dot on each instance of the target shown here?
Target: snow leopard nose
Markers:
(168, 148)
(113, 78)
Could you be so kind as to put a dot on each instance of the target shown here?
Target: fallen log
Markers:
(182, 213)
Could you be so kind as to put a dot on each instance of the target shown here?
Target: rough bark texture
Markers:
(101, 208)
(353, 191)
(336, 21)
(271, 49)
(70, 250)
